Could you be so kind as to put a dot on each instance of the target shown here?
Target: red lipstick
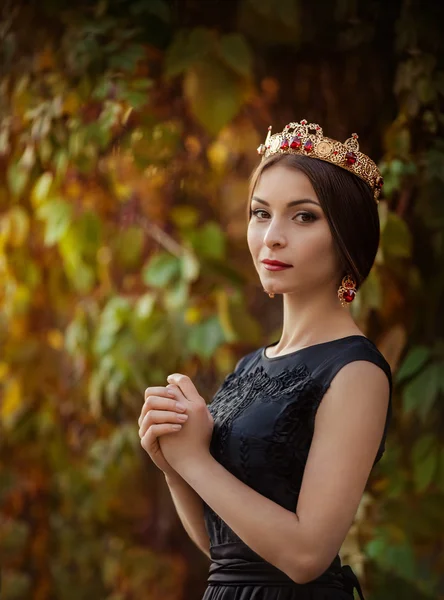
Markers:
(275, 265)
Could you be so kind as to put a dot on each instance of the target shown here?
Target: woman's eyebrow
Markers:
(292, 203)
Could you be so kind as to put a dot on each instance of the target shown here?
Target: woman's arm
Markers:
(189, 507)
(348, 430)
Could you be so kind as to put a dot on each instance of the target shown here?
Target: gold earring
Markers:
(347, 290)
(271, 294)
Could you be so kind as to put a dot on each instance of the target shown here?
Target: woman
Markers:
(267, 478)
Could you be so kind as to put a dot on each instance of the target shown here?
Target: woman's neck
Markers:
(309, 319)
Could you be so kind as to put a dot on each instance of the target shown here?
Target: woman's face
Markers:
(288, 224)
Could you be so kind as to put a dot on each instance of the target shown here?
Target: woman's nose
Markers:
(274, 236)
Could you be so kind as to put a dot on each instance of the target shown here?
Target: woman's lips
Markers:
(274, 267)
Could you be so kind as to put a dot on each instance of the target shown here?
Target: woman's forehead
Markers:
(283, 181)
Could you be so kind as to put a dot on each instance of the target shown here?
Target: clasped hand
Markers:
(170, 448)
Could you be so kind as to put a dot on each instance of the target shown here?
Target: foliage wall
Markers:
(128, 131)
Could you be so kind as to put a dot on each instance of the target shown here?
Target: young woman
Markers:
(267, 478)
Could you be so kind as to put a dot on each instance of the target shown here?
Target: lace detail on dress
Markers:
(238, 392)
(284, 449)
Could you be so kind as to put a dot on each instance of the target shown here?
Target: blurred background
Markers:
(128, 132)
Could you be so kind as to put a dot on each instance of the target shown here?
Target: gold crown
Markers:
(307, 139)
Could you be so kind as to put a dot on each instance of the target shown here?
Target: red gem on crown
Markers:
(295, 142)
(351, 158)
(284, 144)
(308, 146)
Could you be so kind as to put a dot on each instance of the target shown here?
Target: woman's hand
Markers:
(192, 442)
(160, 415)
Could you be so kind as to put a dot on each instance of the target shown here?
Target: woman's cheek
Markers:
(253, 242)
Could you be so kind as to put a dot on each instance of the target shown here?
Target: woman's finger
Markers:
(160, 416)
(156, 431)
(160, 403)
(157, 390)
(177, 392)
(186, 386)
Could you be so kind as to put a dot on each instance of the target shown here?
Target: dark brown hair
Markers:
(348, 205)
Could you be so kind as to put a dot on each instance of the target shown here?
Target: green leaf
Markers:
(372, 290)
(95, 389)
(145, 306)
(142, 85)
(413, 362)
(420, 393)
(128, 246)
(161, 270)
(206, 337)
(17, 179)
(208, 241)
(243, 322)
(135, 99)
(126, 60)
(88, 230)
(215, 94)
(237, 54)
(190, 266)
(396, 237)
(184, 216)
(112, 387)
(41, 189)
(425, 461)
(77, 336)
(187, 49)
(58, 215)
(177, 295)
(115, 315)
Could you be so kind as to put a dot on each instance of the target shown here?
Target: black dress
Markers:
(264, 415)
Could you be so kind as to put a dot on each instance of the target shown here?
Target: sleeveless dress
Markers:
(264, 415)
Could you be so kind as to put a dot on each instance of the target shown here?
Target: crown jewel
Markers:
(308, 139)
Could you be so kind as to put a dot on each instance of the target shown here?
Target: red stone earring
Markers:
(347, 290)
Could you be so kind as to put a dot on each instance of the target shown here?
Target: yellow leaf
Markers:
(192, 315)
(12, 398)
(41, 189)
(18, 328)
(55, 339)
(71, 104)
(5, 228)
(224, 359)
(4, 370)
(19, 226)
(381, 485)
(72, 189)
(218, 155)
(223, 307)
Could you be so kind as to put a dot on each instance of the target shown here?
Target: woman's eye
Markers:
(307, 216)
(310, 216)
(258, 210)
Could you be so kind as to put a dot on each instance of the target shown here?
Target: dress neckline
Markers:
(272, 358)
